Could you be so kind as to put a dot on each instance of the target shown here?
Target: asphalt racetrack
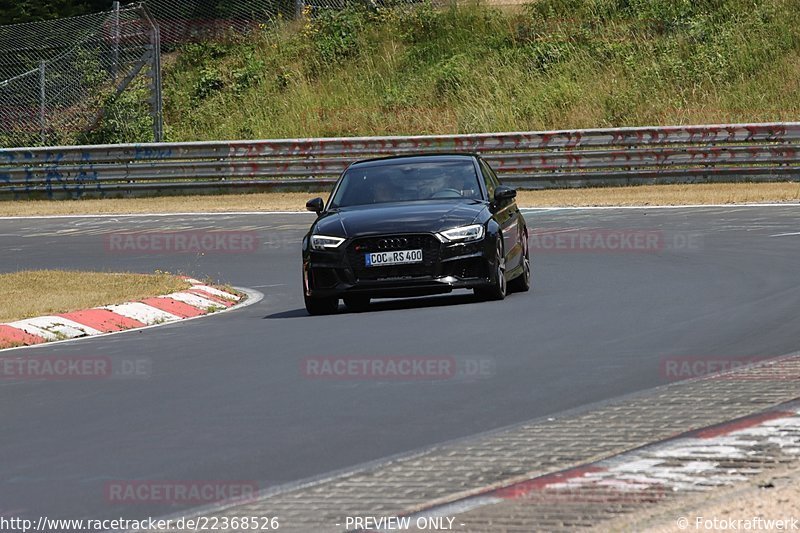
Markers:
(229, 398)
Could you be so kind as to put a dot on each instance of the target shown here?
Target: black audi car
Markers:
(411, 226)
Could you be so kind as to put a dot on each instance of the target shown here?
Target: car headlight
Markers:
(325, 242)
(473, 232)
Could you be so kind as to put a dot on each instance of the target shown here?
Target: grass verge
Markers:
(694, 194)
(549, 64)
(414, 69)
(723, 193)
(33, 293)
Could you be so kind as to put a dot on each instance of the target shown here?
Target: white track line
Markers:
(129, 215)
(256, 213)
(688, 206)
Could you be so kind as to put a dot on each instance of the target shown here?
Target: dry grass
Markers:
(723, 193)
(164, 204)
(34, 293)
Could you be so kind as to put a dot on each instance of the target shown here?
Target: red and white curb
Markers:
(698, 461)
(198, 300)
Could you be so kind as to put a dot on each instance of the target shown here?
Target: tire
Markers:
(321, 306)
(356, 303)
(522, 283)
(497, 291)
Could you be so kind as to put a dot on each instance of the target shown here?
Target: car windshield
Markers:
(404, 181)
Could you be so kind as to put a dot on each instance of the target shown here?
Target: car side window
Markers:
(489, 178)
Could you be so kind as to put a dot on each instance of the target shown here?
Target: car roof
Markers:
(414, 158)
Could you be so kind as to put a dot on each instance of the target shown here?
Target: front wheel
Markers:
(321, 306)
(522, 283)
(496, 291)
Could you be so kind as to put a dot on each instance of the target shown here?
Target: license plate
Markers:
(397, 257)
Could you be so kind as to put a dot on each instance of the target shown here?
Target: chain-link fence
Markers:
(57, 76)
(199, 19)
(96, 78)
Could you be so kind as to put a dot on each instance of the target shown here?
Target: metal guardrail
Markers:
(569, 158)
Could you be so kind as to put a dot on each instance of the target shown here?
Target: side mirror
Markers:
(503, 194)
(316, 205)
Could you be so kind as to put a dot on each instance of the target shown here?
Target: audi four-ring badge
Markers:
(412, 226)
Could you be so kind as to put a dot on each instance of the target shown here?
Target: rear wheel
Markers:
(357, 303)
(321, 306)
(497, 291)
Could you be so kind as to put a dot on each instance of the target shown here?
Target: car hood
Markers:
(401, 217)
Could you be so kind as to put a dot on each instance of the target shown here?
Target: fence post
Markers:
(299, 6)
(158, 125)
(42, 104)
(115, 50)
(156, 103)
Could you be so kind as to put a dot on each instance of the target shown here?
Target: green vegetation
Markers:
(126, 116)
(549, 64)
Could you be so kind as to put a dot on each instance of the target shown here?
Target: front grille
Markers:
(429, 245)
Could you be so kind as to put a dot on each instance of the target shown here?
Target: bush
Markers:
(208, 82)
(334, 36)
(126, 119)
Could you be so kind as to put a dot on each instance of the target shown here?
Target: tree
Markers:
(17, 11)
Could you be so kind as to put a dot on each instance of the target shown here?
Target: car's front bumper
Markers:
(445, 267)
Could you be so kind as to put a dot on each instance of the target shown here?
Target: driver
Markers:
(382, 191)
(448, 186)
(430, 186)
